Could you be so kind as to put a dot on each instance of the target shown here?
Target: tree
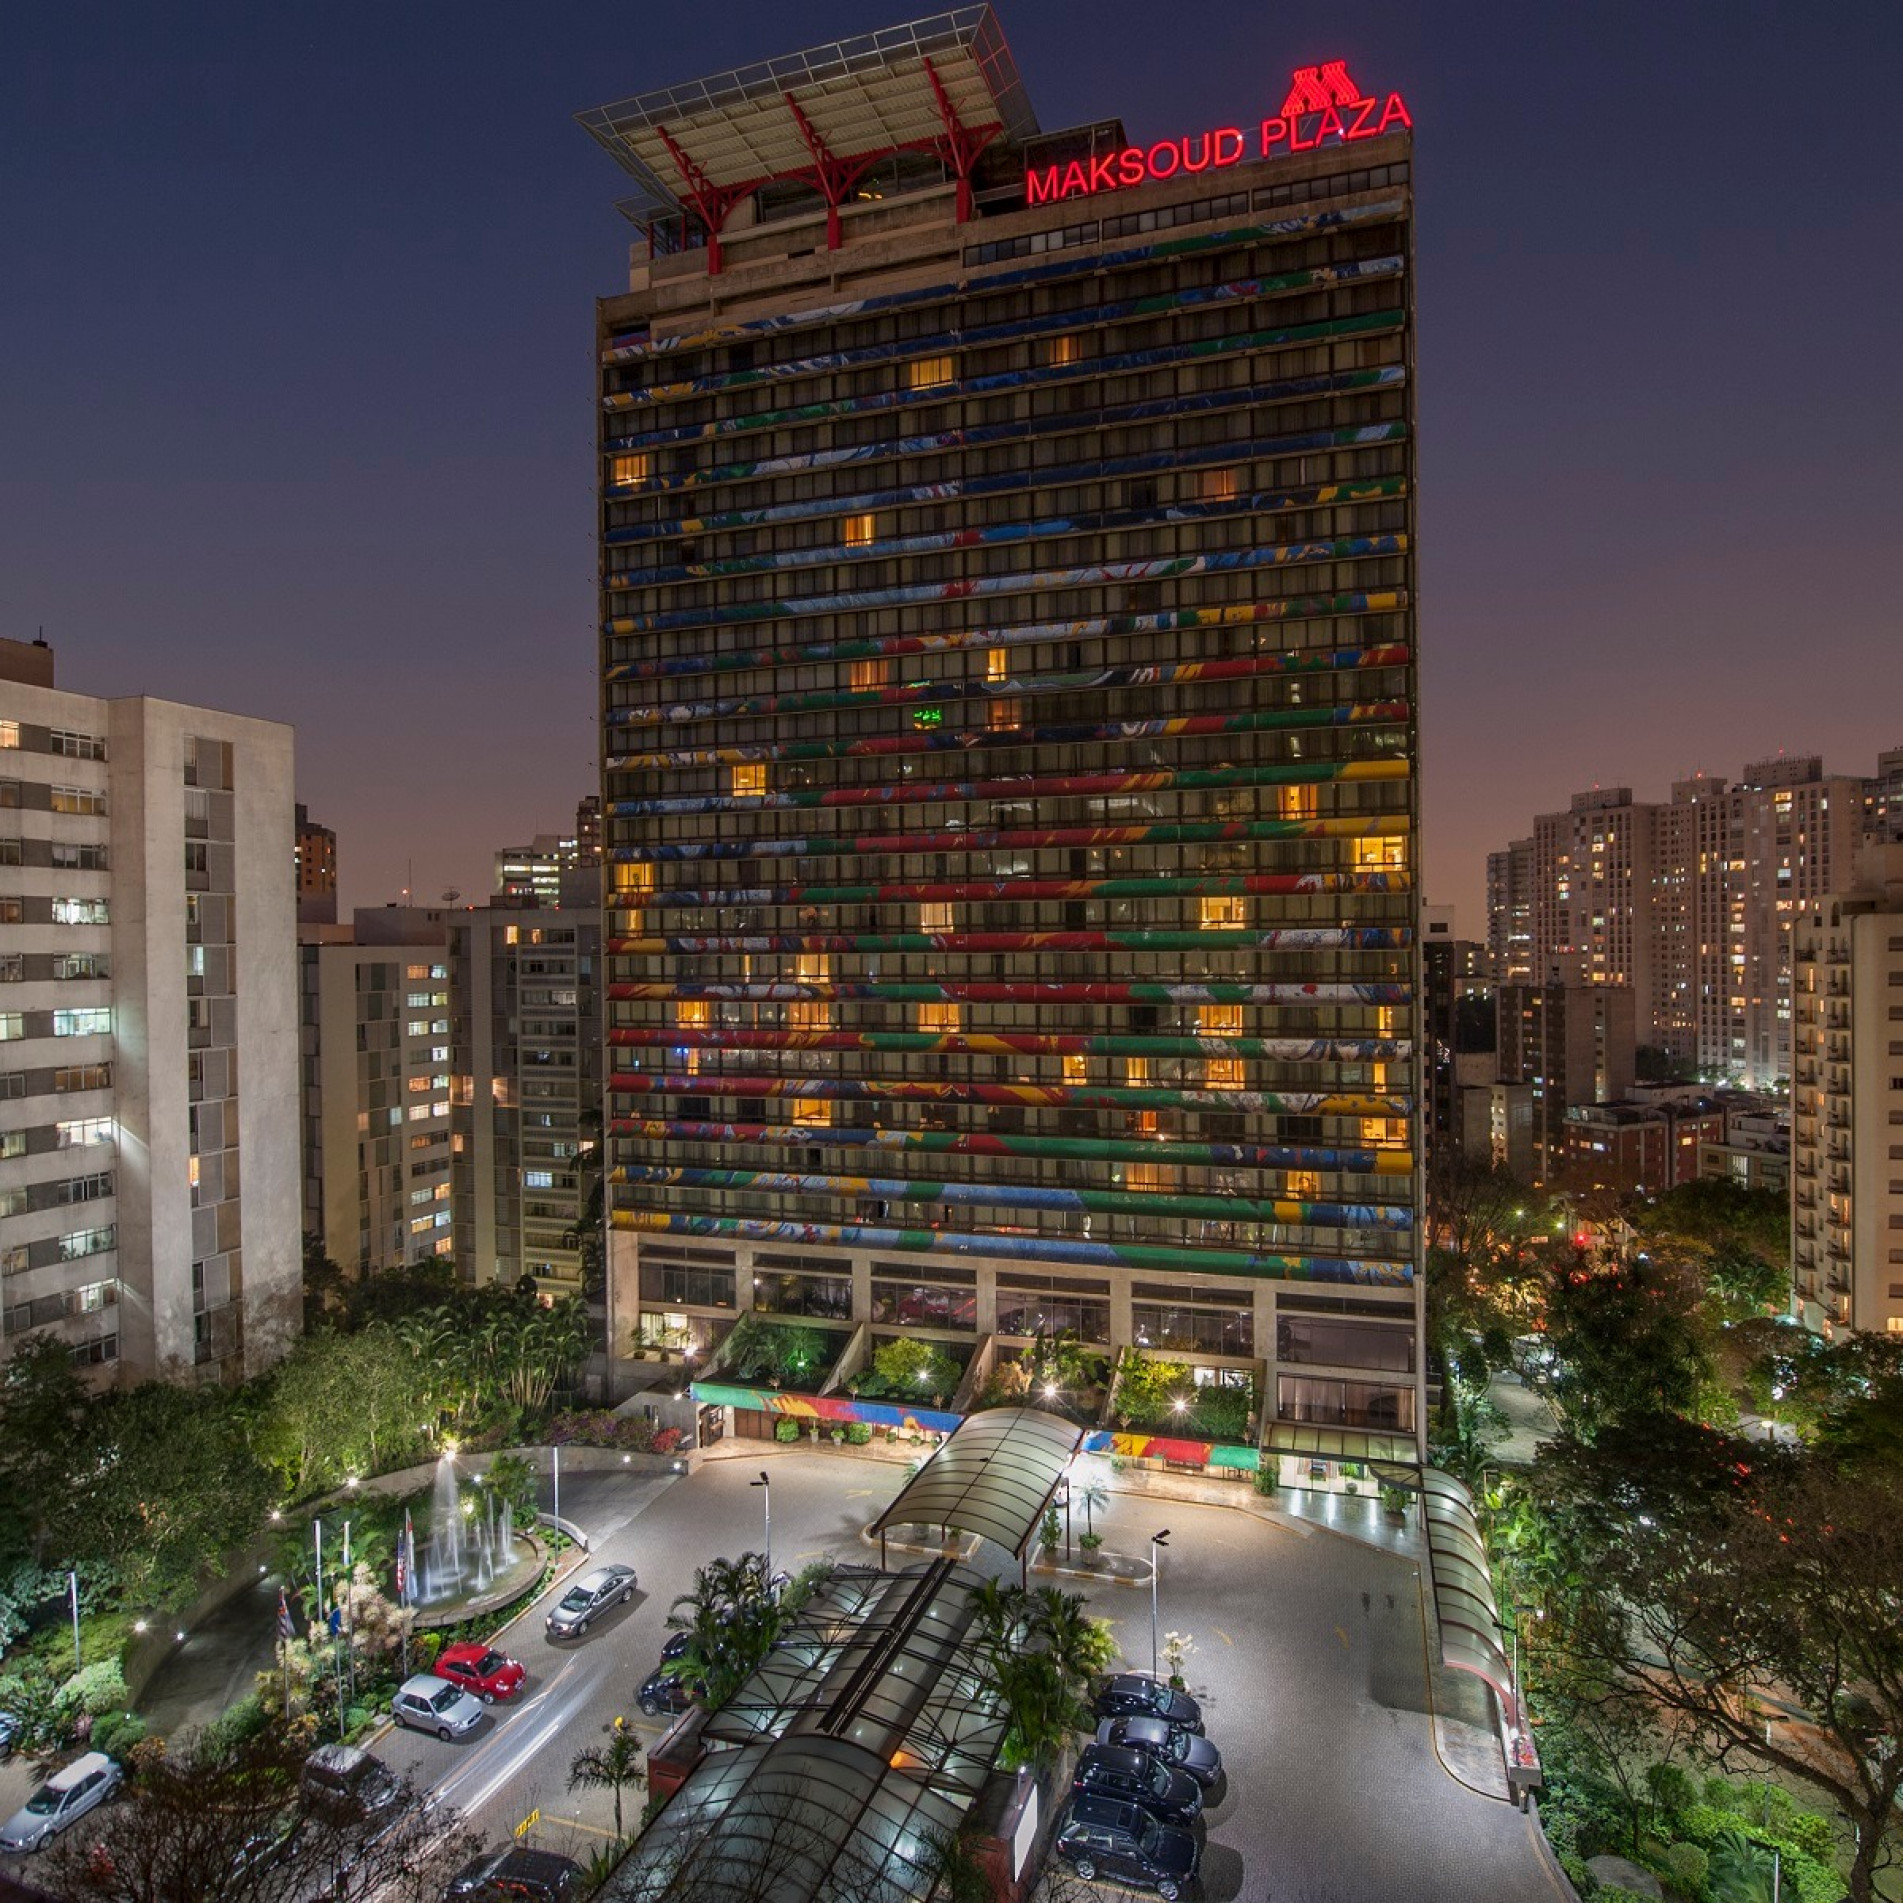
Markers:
(616, 1766)
(340, 1405)
(199, 1820)
(1628, 1340)
(1094, 1497)
(913, 1369)
(171, 1486)
(43, 1405)
(1038, 1653)
(731, 1619)
(1711, 1565)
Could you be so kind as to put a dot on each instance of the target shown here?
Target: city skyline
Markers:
(347, 459)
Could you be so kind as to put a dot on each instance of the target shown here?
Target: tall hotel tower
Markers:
(1008, 721)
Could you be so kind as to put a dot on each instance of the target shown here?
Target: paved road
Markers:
(1309, 1659)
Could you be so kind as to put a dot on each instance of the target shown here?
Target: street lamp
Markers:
(765, 1484)
(1157, 1542)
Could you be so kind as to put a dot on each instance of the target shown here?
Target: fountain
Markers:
(472, 1550)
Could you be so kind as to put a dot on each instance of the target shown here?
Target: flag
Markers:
(287, 1628)
(402, 1556)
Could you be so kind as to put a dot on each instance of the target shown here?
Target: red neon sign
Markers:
(1323, 105)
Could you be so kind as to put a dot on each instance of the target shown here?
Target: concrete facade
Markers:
(1847, 1102)
(151, 1190)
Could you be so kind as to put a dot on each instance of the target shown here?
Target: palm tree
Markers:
(610, 1767)
(1092, 1496)
(731, 1619)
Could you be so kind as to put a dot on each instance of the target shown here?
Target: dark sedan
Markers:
(661, 1691)
(1185, 1751)
(1135, 1777)
(1135, 1695)
(1097, 1837)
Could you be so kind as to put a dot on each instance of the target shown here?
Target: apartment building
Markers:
(525, 1113)
(1847, 1100)
(148, 1059)
(374, 1025)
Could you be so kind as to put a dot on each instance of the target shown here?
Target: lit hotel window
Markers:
(1219, 1020)
(935, 918)
(632, 469)
(1302, 1183)
(1066, 350)
(863, 676)
(928, 373)
(811, 1111)
(996, 668)
(940, 1019)
(1380, 855)
(693, 1014)
(1222, 909)
(1223, 1073)
(1217, 485)
(1076, 1069)
(749, 781)
(1296, 802)
(859, 531)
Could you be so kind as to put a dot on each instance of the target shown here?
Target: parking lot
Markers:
(1309, 1661)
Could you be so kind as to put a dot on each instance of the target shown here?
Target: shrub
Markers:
(425, 1649)
(116, 1732)
(858, 1433)
(97, 1689)
(1265, 1479)
(666, 1439)
(237, 1725)
(786, 1430)
(1685, 1868)
(1089, 1542)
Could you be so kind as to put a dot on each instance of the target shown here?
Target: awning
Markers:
(994, 1477)
(1472, 1638)
(1370, 1444)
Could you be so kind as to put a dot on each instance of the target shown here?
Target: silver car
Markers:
(66, 1795)
(590, 1595)
(427, 1703)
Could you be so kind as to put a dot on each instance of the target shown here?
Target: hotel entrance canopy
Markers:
(994, 1477)
(946, 86)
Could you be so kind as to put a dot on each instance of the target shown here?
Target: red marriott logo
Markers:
(1324, 106)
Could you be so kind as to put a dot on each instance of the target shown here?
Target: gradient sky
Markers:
(297, 320)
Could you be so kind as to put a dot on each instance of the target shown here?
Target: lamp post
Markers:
(765, 1484)
(1157, 1542)
(555, 1460)
(72, 1583)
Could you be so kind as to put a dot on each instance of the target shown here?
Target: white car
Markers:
(427, 1703)
(86, 1782)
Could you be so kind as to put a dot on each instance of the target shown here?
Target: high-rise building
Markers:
(375, 1029)
(148, 1062)
(1689, 903)
(1847, 1100)
(587, 851)
(1008, 699)
(1572, 1044)
(532, 874)
(316, 854)
(1510, 912)
(526, 1109)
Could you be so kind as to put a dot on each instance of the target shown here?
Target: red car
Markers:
(480, 1670)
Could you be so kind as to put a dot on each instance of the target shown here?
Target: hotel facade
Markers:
(1008, 680)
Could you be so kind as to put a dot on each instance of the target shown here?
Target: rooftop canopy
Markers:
(945, 86)
(1472, 1638)
(994, 1477)
(858, 1746)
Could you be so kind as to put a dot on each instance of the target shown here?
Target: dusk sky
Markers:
(298, 318)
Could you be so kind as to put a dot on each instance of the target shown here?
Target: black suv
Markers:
(1135, 1777)
(1101, 1838)
(661, 1692)
(1135, 1695)
(1181, 1750)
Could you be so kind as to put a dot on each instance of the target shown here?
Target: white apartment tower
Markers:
(148, 1054)
(1847, 1101)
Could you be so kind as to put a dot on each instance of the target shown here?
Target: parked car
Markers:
(427, 1703)
(588, 1597)
(265, 1849)
(538, 1875)
(1186, 1751)
(9, 1734)
(1135, 1777)
(1099, 1837)
(65, 1797)
(661, 1692)
(341, 1781)
(1137, 1695)
(480, 1670)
